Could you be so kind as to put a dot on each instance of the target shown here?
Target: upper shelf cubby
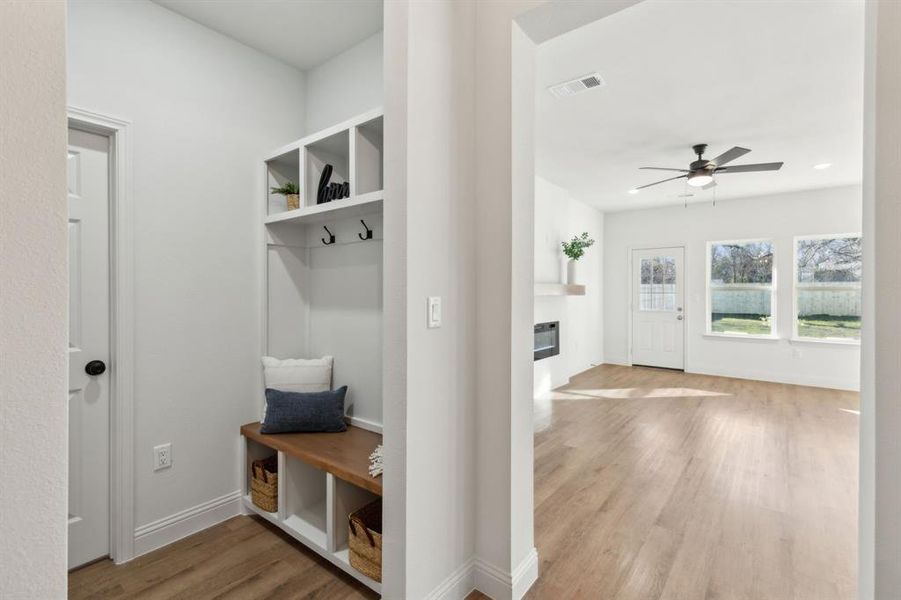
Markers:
(281, 168)
(354, 149)
(333, 150)
(368, 153)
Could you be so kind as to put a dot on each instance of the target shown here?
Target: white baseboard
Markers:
(499, 585)
(832, 383)
(458, 585)
(169, 529)
(525, 575)
(790, 379)
(492, 581)
(365, 424)
(618, 360)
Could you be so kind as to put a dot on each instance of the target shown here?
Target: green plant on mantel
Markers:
(575, 249)
(288, 189)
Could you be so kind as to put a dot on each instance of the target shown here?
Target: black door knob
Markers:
(95, 367)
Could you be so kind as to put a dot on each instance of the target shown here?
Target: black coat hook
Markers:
(331, 237)
(368, 235)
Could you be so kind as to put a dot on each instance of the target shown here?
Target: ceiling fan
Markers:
(700, 172)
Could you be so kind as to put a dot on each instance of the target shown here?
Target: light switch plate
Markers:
(434, 312)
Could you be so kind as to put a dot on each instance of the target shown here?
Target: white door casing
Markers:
(657, 306)
(89, 340)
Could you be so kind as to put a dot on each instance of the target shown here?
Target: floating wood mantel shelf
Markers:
(559, 289)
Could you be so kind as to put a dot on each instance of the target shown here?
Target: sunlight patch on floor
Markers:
(615, 393)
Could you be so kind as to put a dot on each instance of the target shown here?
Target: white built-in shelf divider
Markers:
(355, 151)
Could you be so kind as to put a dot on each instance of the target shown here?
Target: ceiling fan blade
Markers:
(666, 169)
(729, 155)
(750, 168)
(641, 187)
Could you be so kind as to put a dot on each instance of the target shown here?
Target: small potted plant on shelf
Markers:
(574, 250)
(291, 193)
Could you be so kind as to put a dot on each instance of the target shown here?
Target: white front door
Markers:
(89, 341)
(658, 318)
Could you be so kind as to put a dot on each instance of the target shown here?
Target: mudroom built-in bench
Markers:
(323, 477)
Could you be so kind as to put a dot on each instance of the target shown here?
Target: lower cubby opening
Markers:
(348, 498)
(304, 496)
(256, 451)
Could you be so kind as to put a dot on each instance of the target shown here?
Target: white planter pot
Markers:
(572, 272)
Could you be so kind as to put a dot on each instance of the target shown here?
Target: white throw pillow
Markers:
(297, 375)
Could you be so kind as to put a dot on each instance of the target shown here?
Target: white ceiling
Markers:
(784, 79)
(302, 33)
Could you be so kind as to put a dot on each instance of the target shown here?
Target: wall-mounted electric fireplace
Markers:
(547, 339)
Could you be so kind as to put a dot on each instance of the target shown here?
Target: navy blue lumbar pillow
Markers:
(293, 412)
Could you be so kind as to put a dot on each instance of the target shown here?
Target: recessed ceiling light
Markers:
(633, 191)
(822, 166)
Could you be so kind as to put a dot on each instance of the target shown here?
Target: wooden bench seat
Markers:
(345, 455)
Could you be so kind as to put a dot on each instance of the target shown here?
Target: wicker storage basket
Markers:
(264, 484)
(365, 540)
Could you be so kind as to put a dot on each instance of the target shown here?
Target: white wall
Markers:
(327, 301)
(778, 217)
(346, 85)
(33, 301)
(880, 500)
(558, 217)
(205, 109)
(505, 180)
(394, 313)
(430, 198)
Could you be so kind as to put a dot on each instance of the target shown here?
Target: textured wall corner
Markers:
(33, 300)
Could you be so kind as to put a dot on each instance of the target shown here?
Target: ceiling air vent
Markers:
(577, 86)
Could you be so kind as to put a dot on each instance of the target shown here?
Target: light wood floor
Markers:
(656, 484)
(649, 484)
(242, 559)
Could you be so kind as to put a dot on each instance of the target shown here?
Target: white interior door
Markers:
(89, 341)
(658, 318)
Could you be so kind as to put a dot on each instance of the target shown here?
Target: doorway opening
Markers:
(740, 272)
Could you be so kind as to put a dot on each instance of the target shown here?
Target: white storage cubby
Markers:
(313, 507)
(346, 499)
(355, 151)
(255, 451)
(280, 169)
(368, 157)
(303, 510)
(332, 150)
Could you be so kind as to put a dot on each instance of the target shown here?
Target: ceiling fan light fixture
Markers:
(699, 179)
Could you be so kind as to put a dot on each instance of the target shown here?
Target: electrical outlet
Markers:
(162, 457)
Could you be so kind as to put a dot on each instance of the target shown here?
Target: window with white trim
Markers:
(740, 288)
(827, 287)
